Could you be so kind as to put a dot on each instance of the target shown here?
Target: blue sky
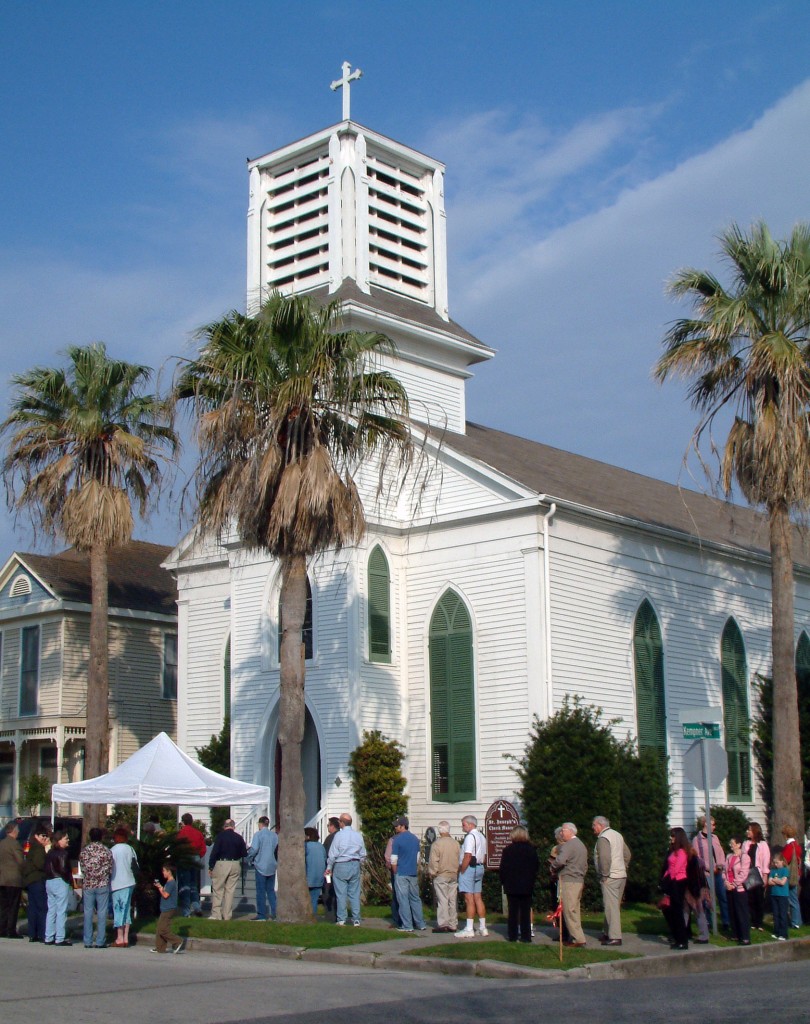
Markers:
(592, 148)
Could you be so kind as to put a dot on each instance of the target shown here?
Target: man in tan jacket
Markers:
(443, 869)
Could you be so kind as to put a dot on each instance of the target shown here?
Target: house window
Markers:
(648, 658)
(48, 762)
(736, 719)
(379, 608)
(29, 671)
(306, 632)
(170, 666)
(6, 783)
(452, 708)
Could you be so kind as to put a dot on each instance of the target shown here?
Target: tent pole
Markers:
(53, 814)
(138, 833)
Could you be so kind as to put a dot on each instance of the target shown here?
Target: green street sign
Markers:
(701, 730)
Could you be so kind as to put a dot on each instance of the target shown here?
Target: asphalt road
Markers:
(88, 986)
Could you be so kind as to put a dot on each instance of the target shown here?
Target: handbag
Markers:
(754, 879)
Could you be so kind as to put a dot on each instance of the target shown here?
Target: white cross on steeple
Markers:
(348, 76)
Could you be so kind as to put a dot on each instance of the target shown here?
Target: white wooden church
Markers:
(525, 573)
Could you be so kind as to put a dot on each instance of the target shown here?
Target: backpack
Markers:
(793, 866)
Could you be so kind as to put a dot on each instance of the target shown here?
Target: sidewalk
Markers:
(652, 956)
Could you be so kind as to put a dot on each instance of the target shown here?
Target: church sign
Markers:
(500, 819)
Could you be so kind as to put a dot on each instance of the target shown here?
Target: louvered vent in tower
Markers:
(297, 226)
(398, 229)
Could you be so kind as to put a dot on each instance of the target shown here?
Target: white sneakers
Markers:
(464, 933)
(483, 932)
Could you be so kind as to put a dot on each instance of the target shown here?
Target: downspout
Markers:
(547, 609)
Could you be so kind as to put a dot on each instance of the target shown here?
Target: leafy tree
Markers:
(287, 406)
(35, 793)
(378, 789)
(763, 744)
(216, 755)
(82, 444)
(746, 350)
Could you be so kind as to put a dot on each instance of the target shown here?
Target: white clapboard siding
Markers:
(139, 706)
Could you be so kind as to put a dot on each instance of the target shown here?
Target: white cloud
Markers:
(578, 314)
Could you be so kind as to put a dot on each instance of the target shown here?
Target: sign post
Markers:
(705, 765)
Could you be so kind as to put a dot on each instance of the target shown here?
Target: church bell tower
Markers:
(349, 214)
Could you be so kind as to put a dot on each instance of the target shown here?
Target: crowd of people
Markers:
(697, 874)
(745, 878)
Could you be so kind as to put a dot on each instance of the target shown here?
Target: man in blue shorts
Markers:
(471, 877)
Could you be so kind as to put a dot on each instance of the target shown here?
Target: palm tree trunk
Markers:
(97, 741)
(293, 895)
(788, 799)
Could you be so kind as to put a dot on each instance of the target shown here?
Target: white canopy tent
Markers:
(161, 773)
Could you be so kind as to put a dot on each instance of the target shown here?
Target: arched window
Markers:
(736, 718)
(307, 630)
(379, 607)
(648, 657)
(452, 707)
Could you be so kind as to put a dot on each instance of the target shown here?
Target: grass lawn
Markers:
(545, 957)
(644, 919)
(319, 935)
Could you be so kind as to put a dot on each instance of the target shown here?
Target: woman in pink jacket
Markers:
(738, 864)
(760, 855)
(673, 883)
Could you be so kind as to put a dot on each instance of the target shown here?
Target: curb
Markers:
(708, 961)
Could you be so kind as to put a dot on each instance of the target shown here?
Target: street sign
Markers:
(705, 764)
(701, 730)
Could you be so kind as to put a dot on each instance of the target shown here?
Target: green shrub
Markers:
(645, 804)
(574, 769)
(378, 789)
(729, 821)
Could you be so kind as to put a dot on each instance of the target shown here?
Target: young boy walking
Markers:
(168, 908)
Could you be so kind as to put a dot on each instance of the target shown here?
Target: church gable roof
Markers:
(136, 579)
(402, 308)
(619, 492)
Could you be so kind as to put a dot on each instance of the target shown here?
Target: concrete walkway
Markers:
(652, 955)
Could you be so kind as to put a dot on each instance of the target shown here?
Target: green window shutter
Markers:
(226, 679)
(648, 657)
(379, 608)
(803, 658)
(736, 718)
(452, 707)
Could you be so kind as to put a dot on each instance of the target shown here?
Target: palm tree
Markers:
(287, 406)
(82, 444)
(747, 350)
